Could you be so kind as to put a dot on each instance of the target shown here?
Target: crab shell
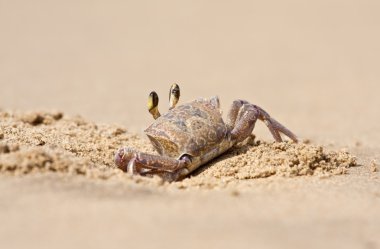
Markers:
(195, 128)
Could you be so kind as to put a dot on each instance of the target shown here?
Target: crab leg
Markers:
(148, 165)
(242, 118)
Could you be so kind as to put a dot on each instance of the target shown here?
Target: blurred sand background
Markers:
(314, 65)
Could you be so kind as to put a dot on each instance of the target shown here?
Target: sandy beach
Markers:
(75, 77)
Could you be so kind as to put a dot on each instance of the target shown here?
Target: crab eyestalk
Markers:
(174, 94)
(153, 105)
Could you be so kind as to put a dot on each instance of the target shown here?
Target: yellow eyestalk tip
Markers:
(174, 94)
(153, 105)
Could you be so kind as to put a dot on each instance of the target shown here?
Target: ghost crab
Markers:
(192, 134)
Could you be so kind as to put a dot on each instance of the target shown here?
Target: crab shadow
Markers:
(237, 150)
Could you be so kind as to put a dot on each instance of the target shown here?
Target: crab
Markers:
(192, 134)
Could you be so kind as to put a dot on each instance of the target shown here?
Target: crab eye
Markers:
(152, 100)
(153, 105)
(174, 95)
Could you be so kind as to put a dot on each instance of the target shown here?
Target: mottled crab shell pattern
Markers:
(193, 128)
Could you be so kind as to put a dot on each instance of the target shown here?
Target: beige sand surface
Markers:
(312, 65)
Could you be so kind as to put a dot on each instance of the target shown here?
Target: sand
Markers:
(49, 154)
(74, 78)
(49, 142)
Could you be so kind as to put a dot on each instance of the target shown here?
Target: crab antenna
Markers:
(174, 94)
(153, 105)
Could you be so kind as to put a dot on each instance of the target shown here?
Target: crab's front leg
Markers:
(146, 164)
(243, 116)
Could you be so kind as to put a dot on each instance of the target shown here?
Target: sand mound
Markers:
(262, 159)
(50, 142)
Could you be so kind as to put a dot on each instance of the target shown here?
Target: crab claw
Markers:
(119, 157)
(123, 156)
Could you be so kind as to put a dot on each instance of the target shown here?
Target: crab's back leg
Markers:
(242, 118)
(146, 164)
